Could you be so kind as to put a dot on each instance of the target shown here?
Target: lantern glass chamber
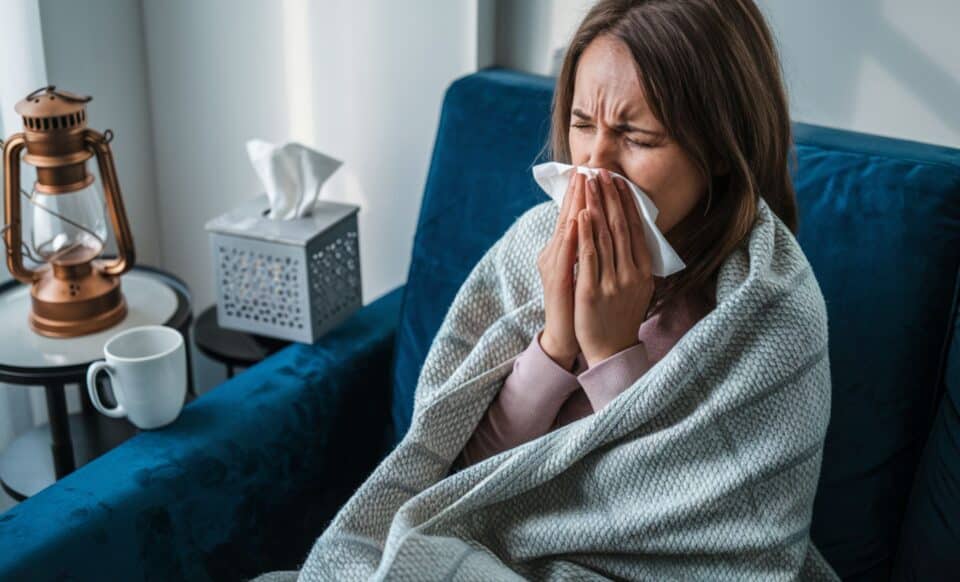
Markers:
(68, 228)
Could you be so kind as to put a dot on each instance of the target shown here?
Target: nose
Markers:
(605, 152)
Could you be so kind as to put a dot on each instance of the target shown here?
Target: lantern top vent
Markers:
(48, 109)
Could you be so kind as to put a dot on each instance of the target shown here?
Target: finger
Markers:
(567, 254)
(564, 214)
(587, 271)
(638, 241)
(619, 231)
(577, 203)
(601, 233)
(575, 197)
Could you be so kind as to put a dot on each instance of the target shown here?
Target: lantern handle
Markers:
(118, 216)
(66, 95)
(12, 234)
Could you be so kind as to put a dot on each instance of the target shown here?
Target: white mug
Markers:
(148, 372)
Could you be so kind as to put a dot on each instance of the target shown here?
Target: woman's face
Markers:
(611, 127)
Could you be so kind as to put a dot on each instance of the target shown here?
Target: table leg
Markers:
(190, 388)
(61, 444)
(229, 371)
(86, 405)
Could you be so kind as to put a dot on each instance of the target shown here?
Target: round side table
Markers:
(27, 358)
(230, 347)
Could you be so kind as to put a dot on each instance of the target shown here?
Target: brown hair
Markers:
(711, 75)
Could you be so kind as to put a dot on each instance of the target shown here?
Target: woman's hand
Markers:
(614, 281)
(555, 264)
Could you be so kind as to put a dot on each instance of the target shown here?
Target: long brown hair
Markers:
(711, 75)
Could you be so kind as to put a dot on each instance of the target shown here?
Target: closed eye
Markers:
(632, 142)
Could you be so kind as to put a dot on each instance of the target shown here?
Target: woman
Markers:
(609, 124)
(693, 449)
(679, 146)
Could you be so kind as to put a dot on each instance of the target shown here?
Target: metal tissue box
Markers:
(288, 279)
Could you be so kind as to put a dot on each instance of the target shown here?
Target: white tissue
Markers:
(292, 175)
(554, 177)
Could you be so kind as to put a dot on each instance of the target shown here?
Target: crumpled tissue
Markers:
(554, 177)
(292, 175)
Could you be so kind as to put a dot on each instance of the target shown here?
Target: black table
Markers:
(232, 348)
(75, 439)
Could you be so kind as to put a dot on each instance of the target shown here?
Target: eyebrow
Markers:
(620, 126)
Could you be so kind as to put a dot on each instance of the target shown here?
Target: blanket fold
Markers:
(705, 468)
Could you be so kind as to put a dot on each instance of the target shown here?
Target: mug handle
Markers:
(92, 371)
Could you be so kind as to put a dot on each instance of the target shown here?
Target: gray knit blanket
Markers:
(704, 469)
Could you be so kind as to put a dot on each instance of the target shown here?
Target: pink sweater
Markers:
(539, 395)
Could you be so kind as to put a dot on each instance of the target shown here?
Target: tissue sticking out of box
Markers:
(292, 175)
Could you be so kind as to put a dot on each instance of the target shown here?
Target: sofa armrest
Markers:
(242, 482)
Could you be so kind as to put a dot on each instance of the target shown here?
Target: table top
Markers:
(153, 298)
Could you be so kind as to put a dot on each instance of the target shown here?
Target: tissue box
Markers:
(288, 279)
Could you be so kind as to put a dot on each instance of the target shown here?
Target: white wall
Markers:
(22, 70)
(360, 80)
(532, 34)
(878, 66)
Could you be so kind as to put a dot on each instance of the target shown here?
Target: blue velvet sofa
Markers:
(246, 479)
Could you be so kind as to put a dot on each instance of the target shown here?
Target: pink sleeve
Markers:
(606, 379)
(526, 406)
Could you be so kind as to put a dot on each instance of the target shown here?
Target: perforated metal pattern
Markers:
(335, 275)
(261, 287)
(289, 291)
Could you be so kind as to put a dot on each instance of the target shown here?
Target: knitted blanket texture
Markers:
(704, 469)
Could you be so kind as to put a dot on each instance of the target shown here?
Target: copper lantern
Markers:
(73, 291)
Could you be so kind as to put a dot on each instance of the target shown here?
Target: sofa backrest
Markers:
(878, 221)
(492, 128)
(880, 224)
(930, 539)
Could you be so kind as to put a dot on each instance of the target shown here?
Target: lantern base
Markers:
(76, 306)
